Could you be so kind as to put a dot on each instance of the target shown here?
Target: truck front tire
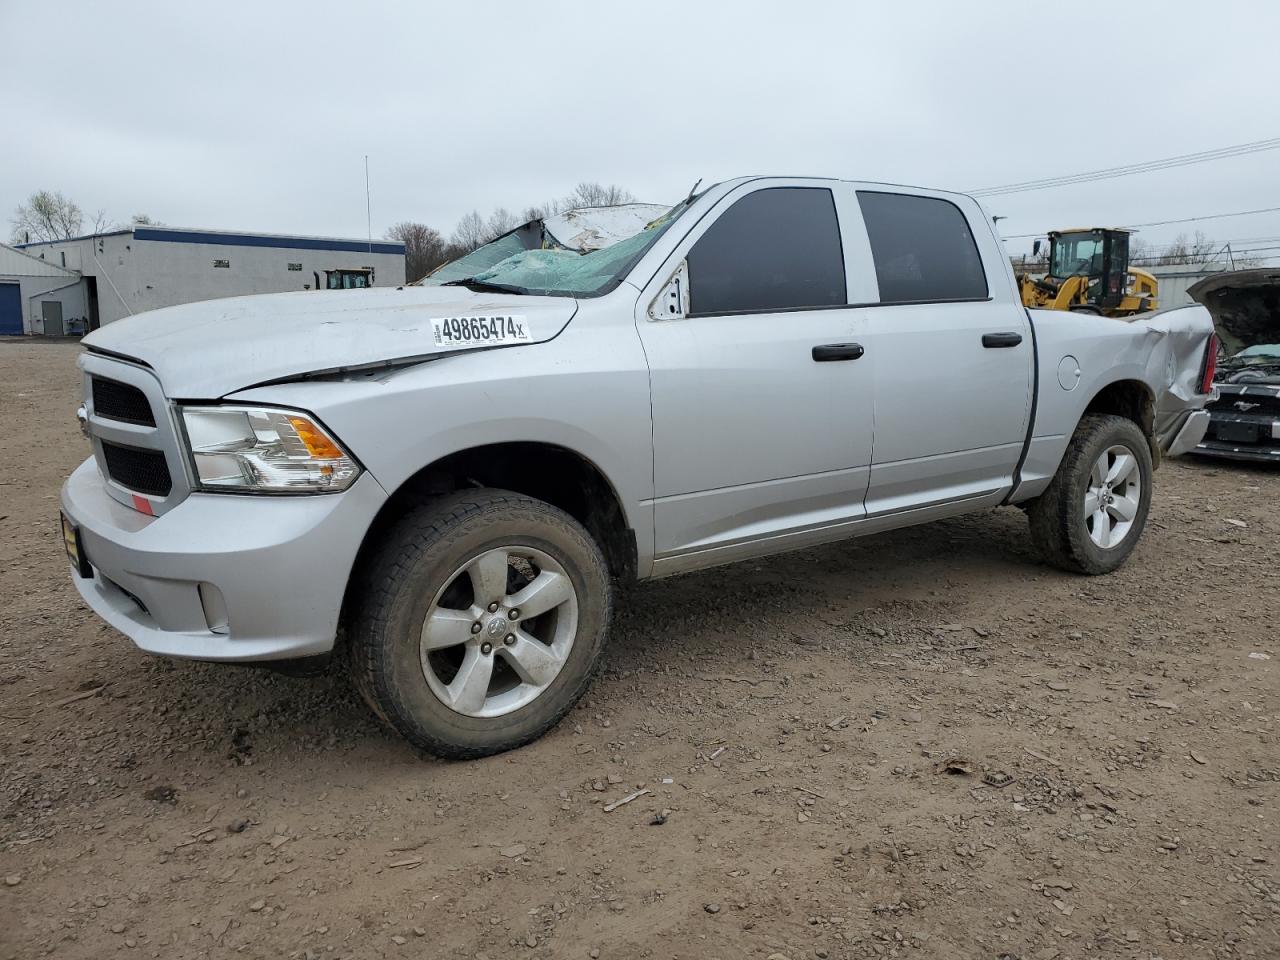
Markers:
(1090, 517)
(480, 622)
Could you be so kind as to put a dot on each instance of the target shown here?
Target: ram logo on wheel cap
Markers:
(498, 626)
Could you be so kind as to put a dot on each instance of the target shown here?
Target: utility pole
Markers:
(368, 207)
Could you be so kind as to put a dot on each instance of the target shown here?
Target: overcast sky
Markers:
(257, 116)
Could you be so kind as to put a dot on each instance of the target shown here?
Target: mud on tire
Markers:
(1064, 524)
(437, 563)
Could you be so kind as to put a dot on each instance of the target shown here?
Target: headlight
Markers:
(258, 449)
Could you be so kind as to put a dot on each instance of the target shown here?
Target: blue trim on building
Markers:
(250, 240)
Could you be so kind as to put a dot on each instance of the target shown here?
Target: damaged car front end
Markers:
(1244, 417)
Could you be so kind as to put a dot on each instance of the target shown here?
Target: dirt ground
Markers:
(792, 719)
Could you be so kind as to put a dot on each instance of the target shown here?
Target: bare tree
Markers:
(145, 220)
(499, 222)
(548, 208)
(584, 195)
(474, 230)
(47, 215)
(1025, 263)
(471, 232)
(1199, 249)
(424, 248)
(597, 195)
(101, 223)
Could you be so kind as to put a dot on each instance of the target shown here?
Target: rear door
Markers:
(953, 351)
(762, 399)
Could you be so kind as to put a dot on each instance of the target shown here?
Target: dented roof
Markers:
(593, 228)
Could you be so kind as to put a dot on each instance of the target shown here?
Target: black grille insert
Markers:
(143, 470)
(119, 401)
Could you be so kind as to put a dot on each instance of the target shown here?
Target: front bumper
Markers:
(221, 576)
(1245, 425)
(1256, 453)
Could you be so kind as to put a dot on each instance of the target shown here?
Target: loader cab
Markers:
(350, 279)
(1100, 254)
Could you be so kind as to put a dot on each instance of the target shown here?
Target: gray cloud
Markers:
(257, 115)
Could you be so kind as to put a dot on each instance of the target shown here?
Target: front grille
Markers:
(119, 401)
(142, 470)
(1256, 402)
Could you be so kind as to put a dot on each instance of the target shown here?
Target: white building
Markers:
(146, 267)
(34, 292)
(1174, 280)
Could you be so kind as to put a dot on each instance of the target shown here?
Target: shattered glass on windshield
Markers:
(565, 273)
(483, 258)
(529, 259)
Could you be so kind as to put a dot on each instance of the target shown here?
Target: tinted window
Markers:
(923, 248)
(774, 249)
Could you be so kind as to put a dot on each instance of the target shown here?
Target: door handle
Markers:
(828, 352)
(1001, 339)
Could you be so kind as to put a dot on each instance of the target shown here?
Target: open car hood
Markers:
(209, 349)
(1245, 305)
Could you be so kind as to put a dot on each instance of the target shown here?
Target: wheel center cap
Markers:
(498, 626)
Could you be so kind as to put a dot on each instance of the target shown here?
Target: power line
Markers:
(1273, 239)
(1146, 166)
(1216, 216)
(1164, 223)
(1133, 168)
(1219, 250)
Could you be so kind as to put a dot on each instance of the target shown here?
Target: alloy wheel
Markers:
(1113, 495)
(498, 633)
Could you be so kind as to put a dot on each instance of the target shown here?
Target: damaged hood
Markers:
(209, 349)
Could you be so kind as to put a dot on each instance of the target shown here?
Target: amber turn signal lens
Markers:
(318, 445)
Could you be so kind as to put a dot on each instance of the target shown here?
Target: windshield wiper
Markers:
(474, 283)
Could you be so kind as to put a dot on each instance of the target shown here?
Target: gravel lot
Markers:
(794, 721)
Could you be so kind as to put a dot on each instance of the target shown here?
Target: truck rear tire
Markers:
(480, 622)
(1090, 517)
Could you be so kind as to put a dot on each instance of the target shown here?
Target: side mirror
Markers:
(1035, 248)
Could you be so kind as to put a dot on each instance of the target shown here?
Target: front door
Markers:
(762, 400)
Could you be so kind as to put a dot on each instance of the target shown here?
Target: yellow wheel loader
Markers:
(1089, 272)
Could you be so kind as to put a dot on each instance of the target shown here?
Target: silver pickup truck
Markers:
(447, 481)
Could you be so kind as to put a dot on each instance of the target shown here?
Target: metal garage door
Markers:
(10, 308)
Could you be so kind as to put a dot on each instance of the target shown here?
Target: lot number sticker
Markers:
(473, 331)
